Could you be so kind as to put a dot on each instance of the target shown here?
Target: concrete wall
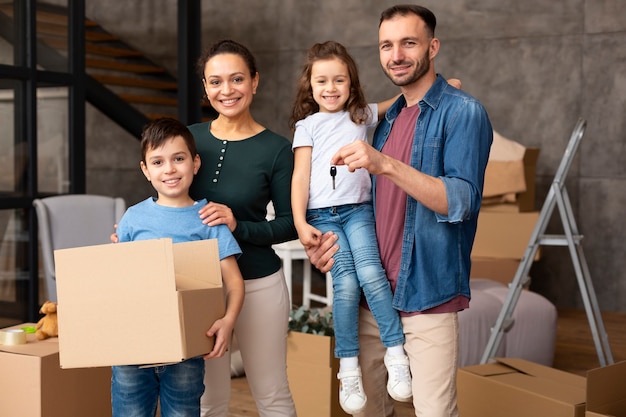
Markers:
(536, 65)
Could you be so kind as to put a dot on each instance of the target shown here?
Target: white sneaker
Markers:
(352, 398)
(399, 381)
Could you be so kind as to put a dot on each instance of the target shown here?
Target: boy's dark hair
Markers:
(157, 132)
(305, 105)
(405, 9)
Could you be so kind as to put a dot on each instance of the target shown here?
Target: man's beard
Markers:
(422, 67)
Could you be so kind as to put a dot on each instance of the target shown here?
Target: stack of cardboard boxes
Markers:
(505, 228)
(515, 387)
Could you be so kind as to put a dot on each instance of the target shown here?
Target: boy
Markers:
(169, 162)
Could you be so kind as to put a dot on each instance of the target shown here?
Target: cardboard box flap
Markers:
(197, 264)
(196, 308)
(539, 380)
(605, 390)
(503, 177)
(544, 387)
(489, 369)
(535, 369)
(524, 389)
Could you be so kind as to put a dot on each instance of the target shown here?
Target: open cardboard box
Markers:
(518, 388)
(142, 302)
(312, 372)
(33, 385)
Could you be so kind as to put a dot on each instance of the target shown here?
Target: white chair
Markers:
(73, 220)
(294, 251)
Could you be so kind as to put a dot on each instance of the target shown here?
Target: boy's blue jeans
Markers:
(357, 266)
(135, 391)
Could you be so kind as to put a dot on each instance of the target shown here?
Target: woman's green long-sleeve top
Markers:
(246, 175)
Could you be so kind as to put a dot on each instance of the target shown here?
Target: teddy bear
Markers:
(48, 325)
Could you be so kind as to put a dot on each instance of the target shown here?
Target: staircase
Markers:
(121, 82)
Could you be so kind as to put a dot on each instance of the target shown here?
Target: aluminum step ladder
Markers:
(557, 196)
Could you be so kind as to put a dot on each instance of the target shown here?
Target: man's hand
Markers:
(321, 255)
(455, 82)
(360, 154)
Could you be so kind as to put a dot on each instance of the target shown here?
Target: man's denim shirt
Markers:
(452, 140)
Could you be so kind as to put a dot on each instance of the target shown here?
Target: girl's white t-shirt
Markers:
(326, 133)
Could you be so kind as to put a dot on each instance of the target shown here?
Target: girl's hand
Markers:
(214, 213)
(309, 235)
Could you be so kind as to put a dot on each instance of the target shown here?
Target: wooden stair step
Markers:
(122, 66)
(61, 31)
(51, 29)
(154, 116)
(93, 36)
(45, 17)
(135, 82)
(110, 51)
(136, 98)
(91, 48)
(54, 18)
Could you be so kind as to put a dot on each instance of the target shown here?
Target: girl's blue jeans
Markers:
(357, 267)
(135, 391)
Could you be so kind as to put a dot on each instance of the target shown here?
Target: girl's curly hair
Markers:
(305, 105)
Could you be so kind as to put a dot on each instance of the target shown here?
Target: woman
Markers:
(244, 167)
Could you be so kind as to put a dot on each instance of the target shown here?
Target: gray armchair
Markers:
(73, 220)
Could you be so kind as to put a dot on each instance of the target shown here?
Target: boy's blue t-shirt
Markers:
(149, 220)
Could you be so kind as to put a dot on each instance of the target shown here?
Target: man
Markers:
(428, 162)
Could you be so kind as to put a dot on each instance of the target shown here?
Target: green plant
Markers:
(311, 320)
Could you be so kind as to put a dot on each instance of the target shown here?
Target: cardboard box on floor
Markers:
(605, 391)
(312, 371)
(33, 385)
(517, 388)
(142, 302)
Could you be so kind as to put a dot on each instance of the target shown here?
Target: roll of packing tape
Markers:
(12, 337)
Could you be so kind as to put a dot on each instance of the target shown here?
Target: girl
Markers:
(330, 111)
